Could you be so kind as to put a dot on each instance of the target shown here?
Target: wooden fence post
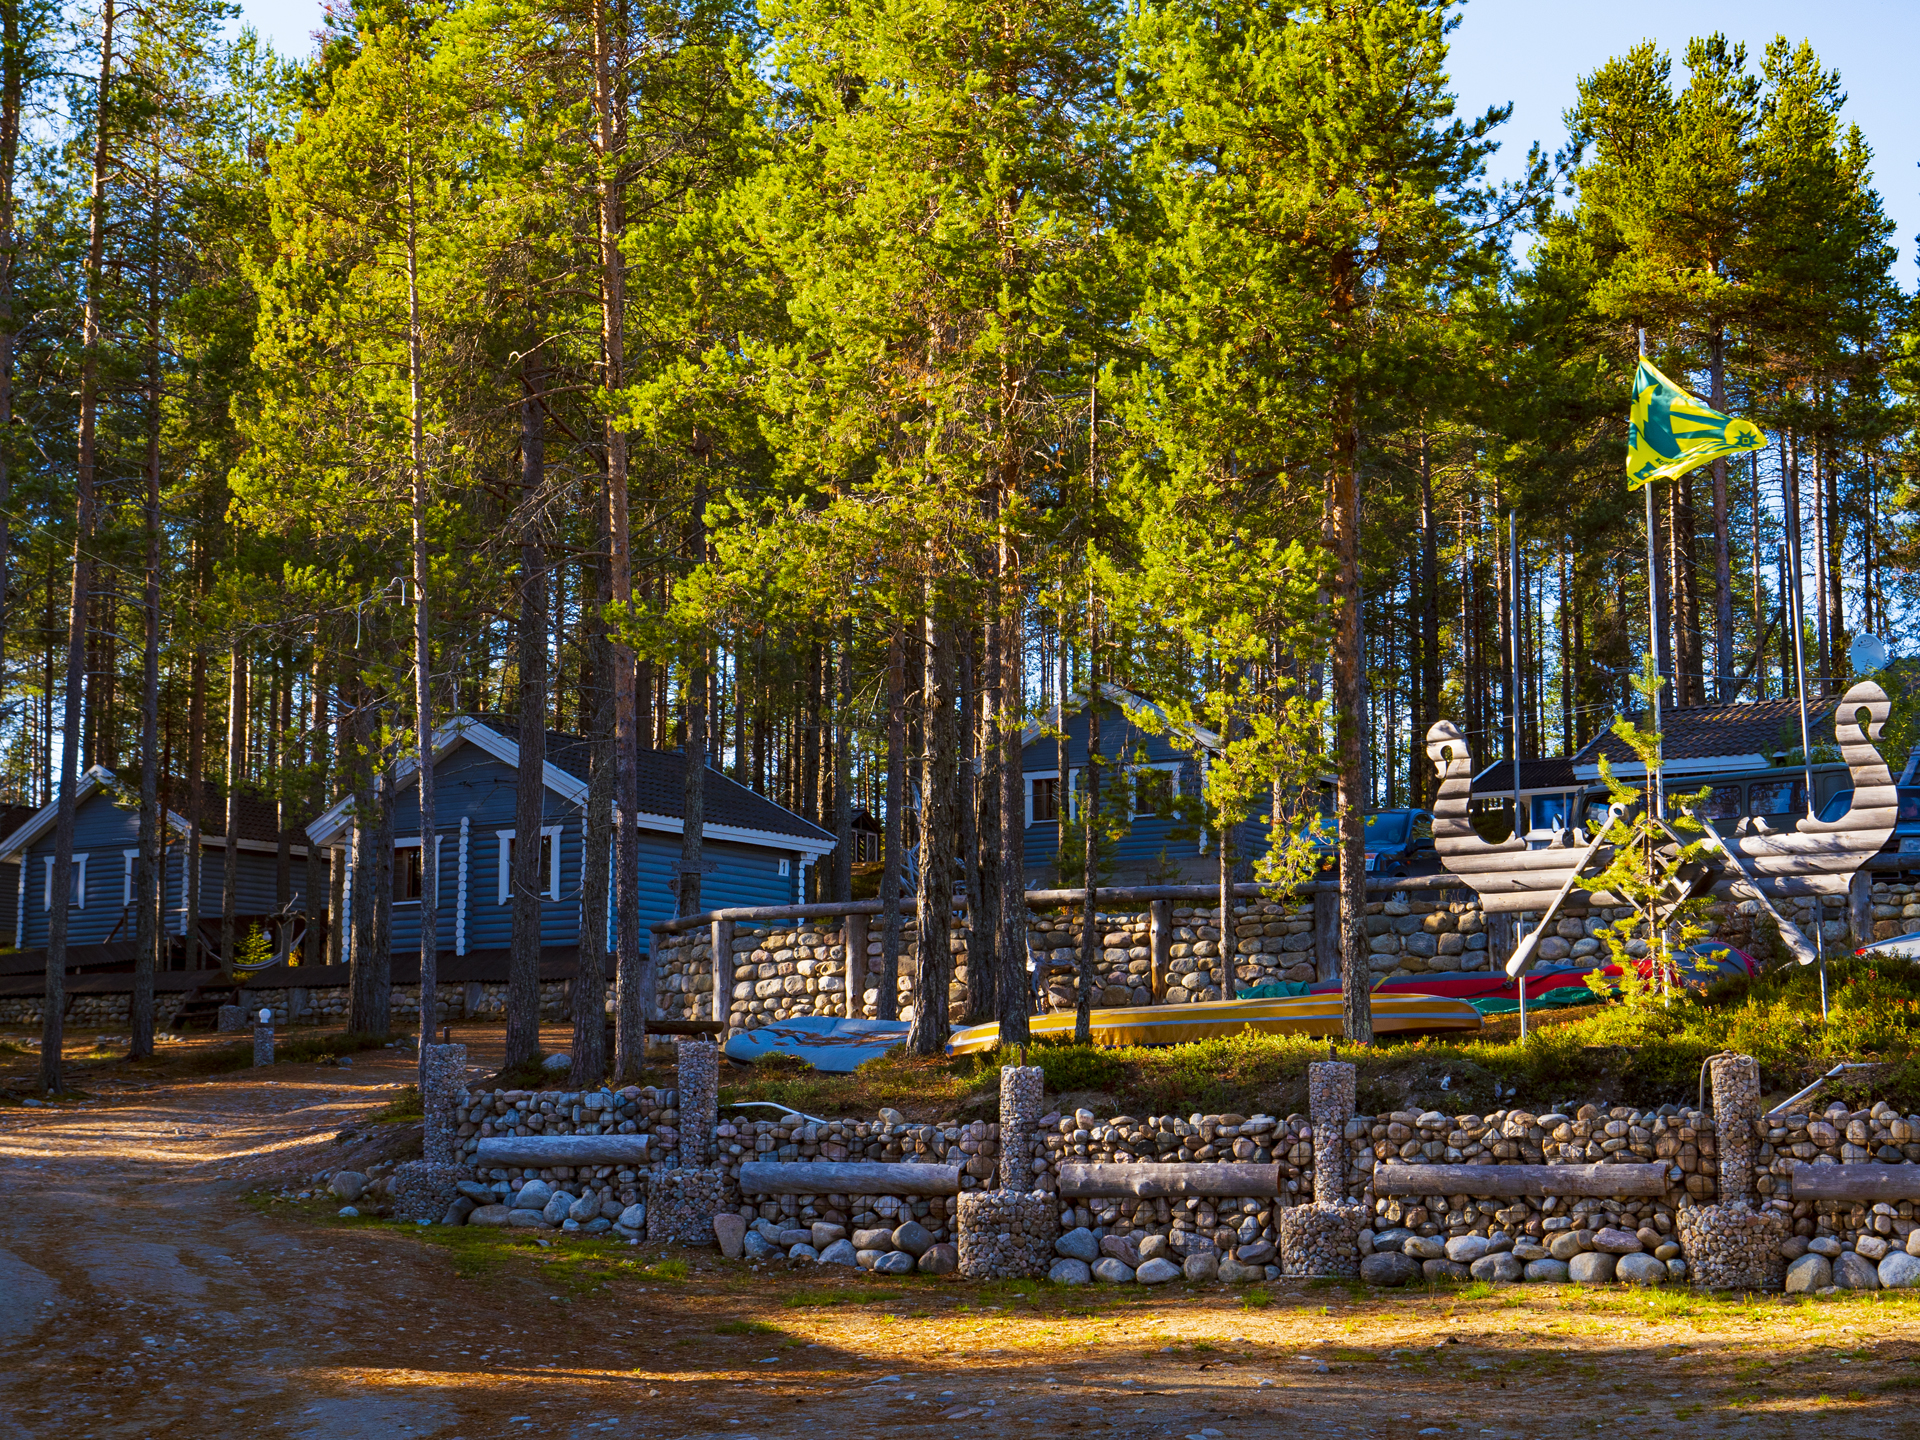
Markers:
(721, 937)
(853, 936)
(1159, 941)
(1326, 935)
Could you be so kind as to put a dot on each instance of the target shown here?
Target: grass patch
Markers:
(405, 1106)
(1257, 1298)
(1607, 1052)
(840, 1297)
(218, 1060)
(305, 1049)
(746, 1327)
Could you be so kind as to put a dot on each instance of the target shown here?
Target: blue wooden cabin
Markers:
(106, 841)
(759, 851)
(1162, 760)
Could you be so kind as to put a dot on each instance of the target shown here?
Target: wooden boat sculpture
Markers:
(1815, 857)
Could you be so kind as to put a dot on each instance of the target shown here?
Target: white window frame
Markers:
(505, 838)
(1074, 792)
(1169, 767)
(412, 842)
(1027, 780)
(79, 884)
(126, 885)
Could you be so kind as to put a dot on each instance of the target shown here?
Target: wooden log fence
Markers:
(837, 1177)
(544, 1151)
(1156, 1182)
(1512, 1181)
(1891, 1183)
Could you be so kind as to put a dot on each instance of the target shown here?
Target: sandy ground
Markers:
(142, 1293)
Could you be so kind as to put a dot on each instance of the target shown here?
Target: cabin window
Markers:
(1045, 799)
(407, 879)
(79, 884)
(132, 857)
(549, 862)
(1154, 788)
(786, 866)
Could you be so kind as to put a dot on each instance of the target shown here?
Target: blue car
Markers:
(1399, 842)
(1904, 843)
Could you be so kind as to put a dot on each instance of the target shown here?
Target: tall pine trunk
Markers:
(526, 875)
(892, 867)
(1349, 702)
(596, 706)
(843, 768)
(236, 776)
(53, 1004)
(422, 635)
(13, 63)
(1008, 797)
(933, 920)
(148, 880)
(322, 919)
(634, 971)
(693, 708)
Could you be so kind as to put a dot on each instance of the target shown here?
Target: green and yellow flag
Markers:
(1672, 433)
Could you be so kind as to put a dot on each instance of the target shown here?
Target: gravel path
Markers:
(141, 1294)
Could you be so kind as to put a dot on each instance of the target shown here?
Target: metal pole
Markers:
(1520, 828)
(1513, 692)
(1790, 503)
(1655, 798)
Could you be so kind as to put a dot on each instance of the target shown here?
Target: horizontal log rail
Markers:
(1581, 1181)
(840, 1177)
(1169, 1181)
(547, 1150)
(1856, 1182)
(1103, 895)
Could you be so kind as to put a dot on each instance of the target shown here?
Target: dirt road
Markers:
(143, 1294)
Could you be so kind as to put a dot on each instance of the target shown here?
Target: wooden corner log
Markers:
(1583, 1181)
(838, 1177)
(548, 1150)
(1856, 1182)
(1155, 1182)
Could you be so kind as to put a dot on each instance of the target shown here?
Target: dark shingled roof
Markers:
(1497, 778)
(1705, 732)
(663, 785)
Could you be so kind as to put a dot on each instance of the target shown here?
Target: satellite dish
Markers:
(1868, 653)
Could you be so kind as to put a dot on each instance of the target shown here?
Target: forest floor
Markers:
(153, 1287)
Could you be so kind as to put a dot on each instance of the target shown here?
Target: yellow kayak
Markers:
(1396, 1013)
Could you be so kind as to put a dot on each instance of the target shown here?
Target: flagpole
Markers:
(1655, 798)
(1790, 516)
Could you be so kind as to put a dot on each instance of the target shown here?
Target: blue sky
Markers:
(1530, 52)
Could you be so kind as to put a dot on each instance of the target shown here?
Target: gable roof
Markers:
(1130, 705)
(732, 811)
(259, 817)
(1700, 738)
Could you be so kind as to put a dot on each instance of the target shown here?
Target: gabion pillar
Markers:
(1005, 1234)
(1323, 1239)
(1736, 1108)
(681, 1205)
(263, 1038)
(699, 1082)
(1732, 1245)
(1022, 1093)
(1331, 1086)
(443, 1078)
